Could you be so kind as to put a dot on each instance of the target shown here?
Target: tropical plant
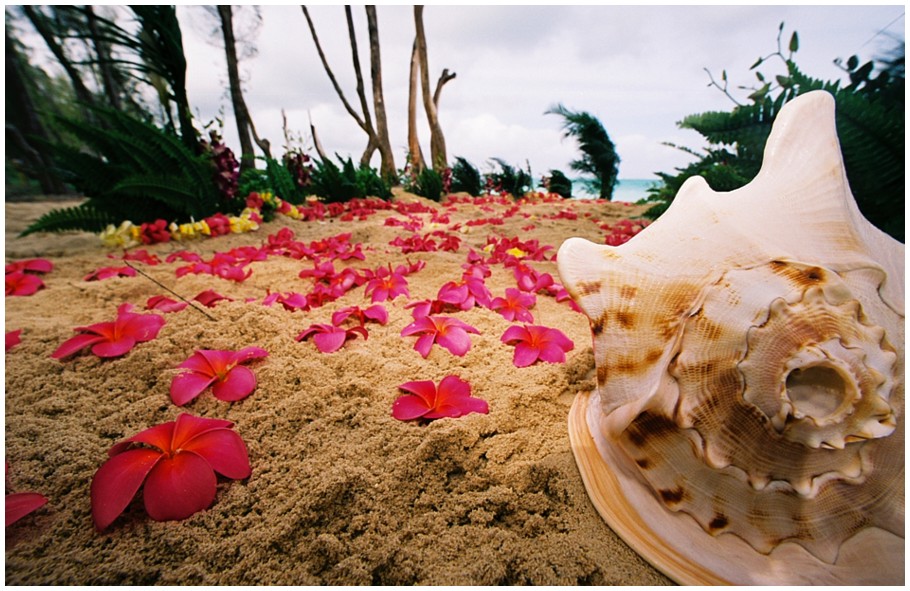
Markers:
(510, 180)
(348, 182)
(599, 158)
(870, 128)
(429, 184)
(466, 178)
(558, 183)
(130, 170)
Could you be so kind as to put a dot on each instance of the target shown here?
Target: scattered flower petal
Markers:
(425, 400)
(537, 343)
(230, 381)
(330, 338)
(13, 338)
(20, 283)
(450, 333)
(113, 339)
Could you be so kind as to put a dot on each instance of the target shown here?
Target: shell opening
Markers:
(818, 392)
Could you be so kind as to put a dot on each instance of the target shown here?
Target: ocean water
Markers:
(630, 190)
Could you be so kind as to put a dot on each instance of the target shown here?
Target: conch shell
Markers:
(747, 425)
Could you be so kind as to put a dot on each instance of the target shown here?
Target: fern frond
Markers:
(82, 217)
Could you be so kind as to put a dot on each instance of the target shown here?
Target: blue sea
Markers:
(630, 190)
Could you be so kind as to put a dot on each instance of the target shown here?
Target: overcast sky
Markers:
(638, 69)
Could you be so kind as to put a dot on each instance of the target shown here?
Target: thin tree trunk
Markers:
(443, 78)
(38, 21)
(372, 142)
(414, 152)
(103, 51)
(437, 140)
(387, 165)
(22, 120)
(241, 114)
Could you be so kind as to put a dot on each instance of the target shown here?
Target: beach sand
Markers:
(340, 492)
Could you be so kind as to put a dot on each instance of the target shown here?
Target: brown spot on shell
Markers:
(627, 292)
(586, 288)
(643, 463)
(625, 319)
(799, 276)
(672, 496)
(719, 522)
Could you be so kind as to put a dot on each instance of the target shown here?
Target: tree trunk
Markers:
(39, 21)
(368, 129)
(22, 121)
(372, 141)
(241, 115)
(437, 140)
(105, 67)
(387, 165)
(415, 154)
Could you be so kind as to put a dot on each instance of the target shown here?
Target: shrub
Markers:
(466, 178)
(558, 183)
(348, 182)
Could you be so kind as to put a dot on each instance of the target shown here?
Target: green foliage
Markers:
(559, 183)
(510, 180)
(429, 184)
(599, 158)
(348, 182)
(466, 178)
(130, 170)
(870, 128)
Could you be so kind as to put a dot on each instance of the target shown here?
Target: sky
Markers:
(639, 70)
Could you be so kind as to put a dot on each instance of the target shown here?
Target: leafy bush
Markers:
(348, 182)
(559, 183)
(429, 184)
(510, 180)
(466, 178)
(599, 158)
(870, 127)
(130, 170)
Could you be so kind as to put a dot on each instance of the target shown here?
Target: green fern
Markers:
(81, 217)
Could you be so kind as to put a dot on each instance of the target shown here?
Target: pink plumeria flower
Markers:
(113, 339)
(537, 343)
(18, 505)
(427, 401)
(19, 283)
(376, 313)
(108, 272)
(210, 297)
(30, 266)
(330, 338)
(164, 304)
(13, 338)
(450, 333)
(230, 381)
(515, 305)
(387, 285)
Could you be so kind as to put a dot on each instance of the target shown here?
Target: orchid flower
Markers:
(176, 462)
(533, 343)
(230, 381)
(19, 283)
(452, 398)
(450, 333)
(515, 305)
(113, 339)
(329, 338)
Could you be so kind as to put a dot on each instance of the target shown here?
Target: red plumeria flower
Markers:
(19, 283)
(210, 297)
(164, 304)
(108, 272)
(533, 343)
(30, 266)
(113, 339)
(424, 400)
(176, 461)
(515, 305)
(448, 332)
(387, 285)
(142, 256)
(12, 338)
(230, 381)
(376, 313)
(18, 505)
(329, 338)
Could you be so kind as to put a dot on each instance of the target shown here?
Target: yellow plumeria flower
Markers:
(516, 252)
(122, 236)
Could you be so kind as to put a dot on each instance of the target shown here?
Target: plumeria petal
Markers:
(159, 436)
(525, 355)
(423, 389)
(75, 344)
(408, 407)
(117, 481)
(225, 452)
(13, 338)
(329, 342)
(249, 353)
(114, 348)
(187, 427)
(188, 385)
(179, 487)
(424, 344)
(236, 385)
(456, 340)
(18, 505)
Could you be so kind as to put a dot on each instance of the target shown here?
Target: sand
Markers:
(340, 492)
